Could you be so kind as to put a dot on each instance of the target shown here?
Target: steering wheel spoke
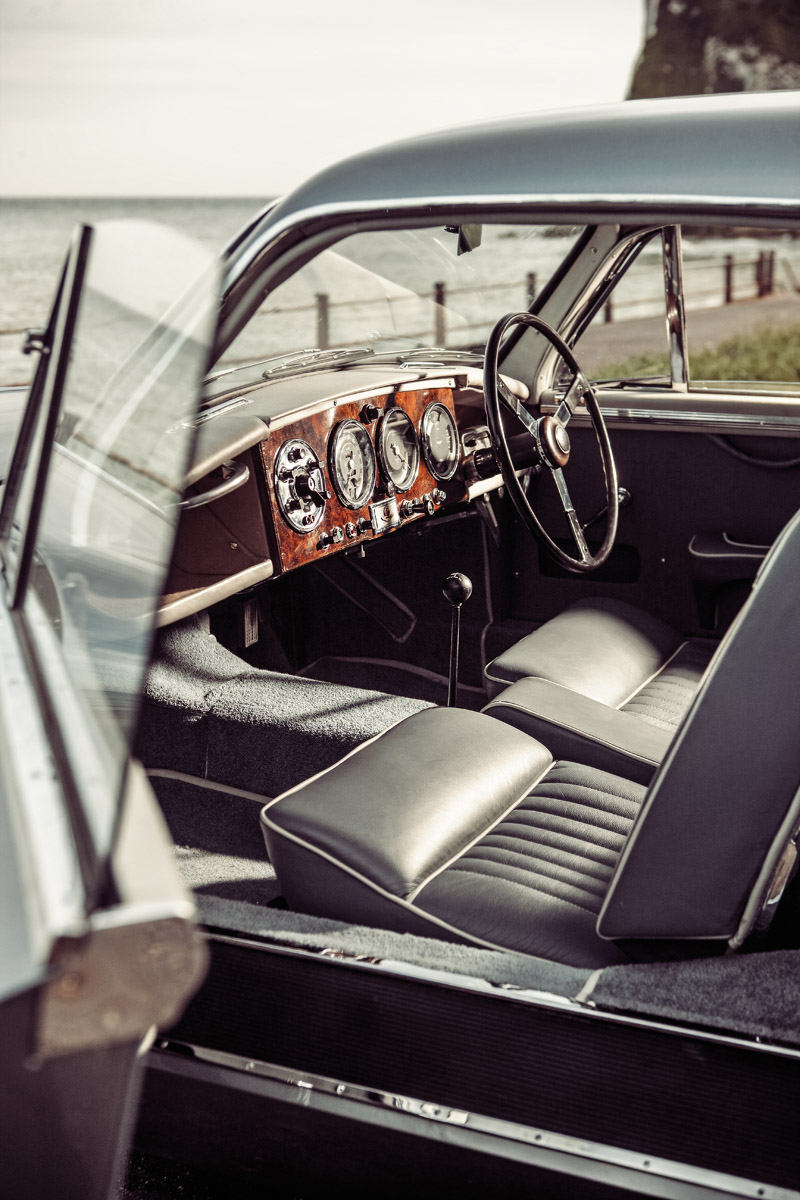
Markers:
(549, 434)
(572, 516)
(571, 402)
(516, 406)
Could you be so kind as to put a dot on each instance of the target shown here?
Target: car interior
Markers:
(369, 533)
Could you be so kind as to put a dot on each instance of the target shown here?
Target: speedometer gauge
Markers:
(398, 449)
(352, 464)
(439, 441)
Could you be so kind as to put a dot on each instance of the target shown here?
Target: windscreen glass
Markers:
(407, 289)
(116, 474)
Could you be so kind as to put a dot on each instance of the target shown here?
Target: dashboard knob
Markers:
(295, 454)
(369, 413)
(423, 505)
(331, 538)
(363, 525)
(307, 489)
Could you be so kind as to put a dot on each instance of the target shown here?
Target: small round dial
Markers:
(352, 464)
(398, 449)
(299, 485)
(439, 441)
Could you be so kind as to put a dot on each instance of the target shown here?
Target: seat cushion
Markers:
(454, 825)
(604, 649)
(664, 699)
(536, 881)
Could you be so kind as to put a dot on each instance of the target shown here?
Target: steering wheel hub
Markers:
(554, 442)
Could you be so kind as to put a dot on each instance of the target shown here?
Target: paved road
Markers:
(706, 327)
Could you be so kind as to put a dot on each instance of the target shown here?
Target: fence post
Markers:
(530, 285)
(770, 272)
(323, 321)
(439, 332)
(728, 278)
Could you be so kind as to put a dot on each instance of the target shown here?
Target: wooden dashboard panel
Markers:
(293, 548)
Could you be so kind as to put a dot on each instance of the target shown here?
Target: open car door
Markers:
(97, 943)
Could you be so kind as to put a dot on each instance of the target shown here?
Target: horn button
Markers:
(554, 443)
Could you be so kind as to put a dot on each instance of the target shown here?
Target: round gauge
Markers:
(439, 441)
(352, 464)
(299, 485)
(398, 449)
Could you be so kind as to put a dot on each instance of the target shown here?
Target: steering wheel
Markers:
(552, 444)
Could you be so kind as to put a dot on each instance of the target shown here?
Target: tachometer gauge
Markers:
(352, 464)
(398, 449)
(439, 441)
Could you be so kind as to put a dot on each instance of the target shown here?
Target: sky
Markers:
(250, 97)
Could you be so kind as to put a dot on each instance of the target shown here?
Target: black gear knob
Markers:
(457, 588)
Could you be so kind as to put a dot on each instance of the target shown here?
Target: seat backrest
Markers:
(724, 803)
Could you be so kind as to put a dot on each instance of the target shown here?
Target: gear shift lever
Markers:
(457, 588)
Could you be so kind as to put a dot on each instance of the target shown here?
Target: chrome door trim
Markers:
(303, 1086)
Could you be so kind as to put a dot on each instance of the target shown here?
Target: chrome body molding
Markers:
(659, 411)
(581, 1005)
(302, 1086)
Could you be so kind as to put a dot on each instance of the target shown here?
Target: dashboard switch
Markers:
(332, 538)
(423, 505)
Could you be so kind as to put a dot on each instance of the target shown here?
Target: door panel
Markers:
(682, 484)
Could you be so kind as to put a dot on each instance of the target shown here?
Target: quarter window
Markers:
(742, 298)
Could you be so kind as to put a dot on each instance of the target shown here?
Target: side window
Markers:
(742, 300)
(628, 337)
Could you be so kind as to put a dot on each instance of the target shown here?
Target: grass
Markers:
(765, 354)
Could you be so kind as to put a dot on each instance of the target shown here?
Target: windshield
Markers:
(401, 290)
(109, 510)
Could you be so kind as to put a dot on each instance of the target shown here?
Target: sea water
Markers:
(35, 233)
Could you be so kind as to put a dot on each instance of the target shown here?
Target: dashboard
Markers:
(320, 467)
(360, 469)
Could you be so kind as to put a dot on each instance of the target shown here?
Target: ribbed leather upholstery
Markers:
(542, 873)
(457, 826)
(664, 700)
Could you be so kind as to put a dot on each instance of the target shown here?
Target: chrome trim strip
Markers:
(584, 1007)
(749, 422)
(676, 317)
(442, 1114)
(533, 204)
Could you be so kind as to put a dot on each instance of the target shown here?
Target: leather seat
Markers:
(602, 682)
(459, 826)
(613, 653)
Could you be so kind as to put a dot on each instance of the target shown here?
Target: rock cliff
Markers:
(693, 47)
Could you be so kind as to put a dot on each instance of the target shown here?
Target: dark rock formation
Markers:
(696, 46)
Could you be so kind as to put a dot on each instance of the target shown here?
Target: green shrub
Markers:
(767, 354)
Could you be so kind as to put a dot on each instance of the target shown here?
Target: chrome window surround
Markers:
(257, 264)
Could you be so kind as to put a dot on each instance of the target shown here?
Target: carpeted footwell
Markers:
(209, 714)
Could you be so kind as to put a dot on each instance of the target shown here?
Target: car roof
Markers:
(738, 146)
(638, 162)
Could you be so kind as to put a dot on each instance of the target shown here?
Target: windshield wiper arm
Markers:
(313, 359)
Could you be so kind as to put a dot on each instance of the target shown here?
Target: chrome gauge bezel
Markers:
(404, 479)
(434, 465)
(295, 461)
(367, 454)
